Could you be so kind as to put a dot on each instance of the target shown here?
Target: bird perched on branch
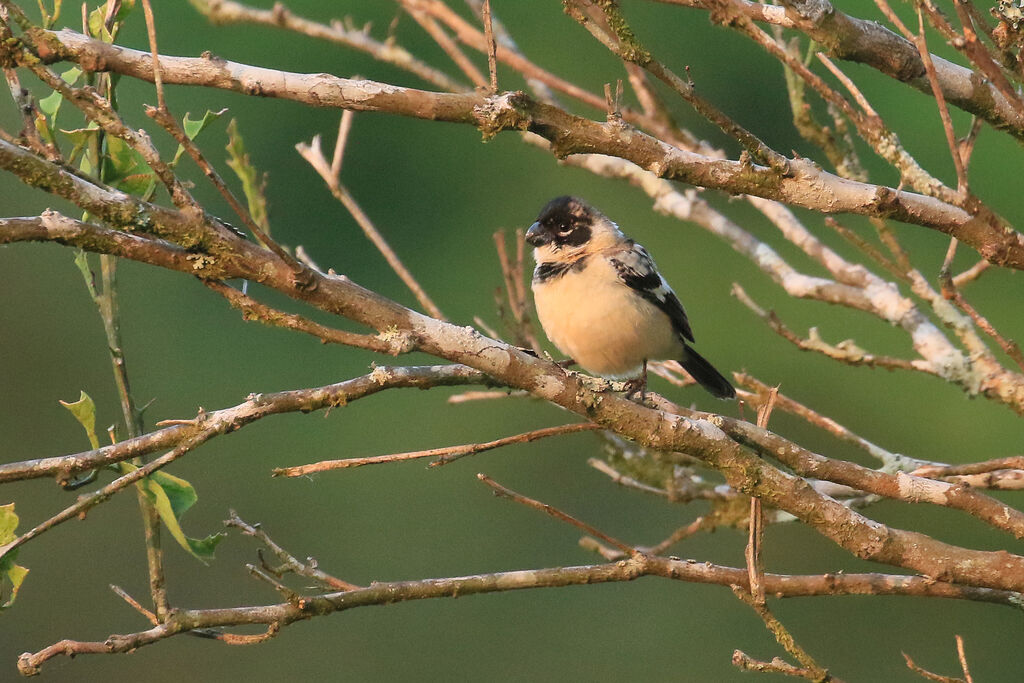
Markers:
(602, 301)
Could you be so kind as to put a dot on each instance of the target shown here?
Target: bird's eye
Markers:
(565, 231)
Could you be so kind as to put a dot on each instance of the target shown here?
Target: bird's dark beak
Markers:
(536, 236)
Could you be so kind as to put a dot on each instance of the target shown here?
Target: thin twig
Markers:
(873, 252)
(755, 531)
(783, 636)
(971, 274)
(940, 101)
(200, 622)
(469, 396)
(848, 83)
(151, 32)
(106, 300)
(790, 405)
(338, 32)
(503, 492)
(314, 156)
(963, 659)
(252, 309)
(680, 534)
(27, 108)
(515, 292)
(924, 673)
(444, 455)
(492, 47)
(445, 42)
(845, 352)
(123, 594)
(742, 660)
(933, 471)
(1009, 347)
(344, 127)
(289, 562)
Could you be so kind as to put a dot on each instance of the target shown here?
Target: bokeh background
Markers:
(438, 193)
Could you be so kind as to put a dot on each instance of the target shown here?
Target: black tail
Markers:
(706, 375)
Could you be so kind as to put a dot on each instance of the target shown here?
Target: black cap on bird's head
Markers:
(564, 222)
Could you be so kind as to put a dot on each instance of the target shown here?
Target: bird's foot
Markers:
(635, 387)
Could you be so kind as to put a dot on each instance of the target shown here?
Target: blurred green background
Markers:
(438, 193)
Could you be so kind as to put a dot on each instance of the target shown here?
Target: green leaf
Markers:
(193, 127)
(181, 494)
(46, 119)
(8, 523)
(82, 261)
(140, 184)
(97, 26)
(43, 126)
(252, 182)
(122, 160)
(84, 411)
(50, 104)
(126, 169)
(82, 138)
(172, 497)
(10, 573)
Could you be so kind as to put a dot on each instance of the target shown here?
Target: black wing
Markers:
(636, 269)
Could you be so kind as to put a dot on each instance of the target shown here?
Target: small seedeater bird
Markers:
(602, 301)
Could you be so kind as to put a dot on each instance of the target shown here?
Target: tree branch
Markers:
(257, 406)
(629, 569)
(805, 186)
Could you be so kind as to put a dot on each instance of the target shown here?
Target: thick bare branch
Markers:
(629, 569)
(744, 471)
(805, 185)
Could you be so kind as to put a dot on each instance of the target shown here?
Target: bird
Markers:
(601, 300)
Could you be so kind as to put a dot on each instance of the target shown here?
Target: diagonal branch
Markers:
(256, 407)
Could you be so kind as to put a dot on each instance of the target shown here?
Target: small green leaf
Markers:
(181, 494)
(193, 127)
(82, 138)
(84, 411)
(122, 160)
(82, 261)
(172, 497)
(97, 25)
(50, 104)
(43, 126)
(140, 184)
(15, 574)
(8, 523)
(253, 183)
(97, 28)
(10, 573)
(126, 169)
